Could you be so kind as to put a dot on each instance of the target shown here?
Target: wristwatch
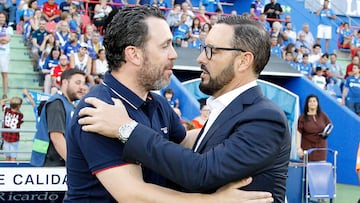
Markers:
(126, 130)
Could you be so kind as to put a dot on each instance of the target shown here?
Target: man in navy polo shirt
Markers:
(140, 59)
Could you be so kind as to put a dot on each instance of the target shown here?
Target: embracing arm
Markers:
(121, 181)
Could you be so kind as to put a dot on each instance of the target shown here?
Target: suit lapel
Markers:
(234, 108)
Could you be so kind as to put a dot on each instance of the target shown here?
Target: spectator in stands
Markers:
(345, 36)
(9, 6)
(335, 71)
(315, 53)
(82, 61)
(65, 6)
(55, 116)
(355, 44)
(74, 23)
(276, 31)
(263, 22)
(89, 30)
(319, 79)
(299, 53)
(206, 28)
(47, 45)
(174, 2)
(170, 98)
(305, 67)
(324, 29)
(275, 47)
(72, 45)
(5, 37)
(56, 73)
(94, 45)
(200, 41)
(289, 58)
(13, 118)
(101, 13)
(273, 11)
(51, 11)
(62, 36)
(162, 5)
(51, 61)
(286, 40)
(322, 62)
(202, 15)
(35, 20)
(289, 48)
(351, 91)
(256, 9)
(289, 31)
(211, 5)
(100, 66)
(28, 14)
(310, 124)
(354, 61)
(200, 120)
(309, 38)
(189, 14)
(302, 42)
(37, 39)
(213, 19)
(174, 16)
(181, 31)
(195, 30)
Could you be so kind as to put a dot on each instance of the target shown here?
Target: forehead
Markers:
(158, 29)
(220, 35)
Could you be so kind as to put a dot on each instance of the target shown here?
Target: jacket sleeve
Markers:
(251, 148)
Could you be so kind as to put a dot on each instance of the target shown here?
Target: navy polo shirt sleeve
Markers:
(100, 152)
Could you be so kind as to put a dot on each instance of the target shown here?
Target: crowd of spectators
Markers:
(51, 30)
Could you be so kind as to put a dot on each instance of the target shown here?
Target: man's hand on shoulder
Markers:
(103, 118)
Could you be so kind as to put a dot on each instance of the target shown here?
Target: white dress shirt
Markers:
(217, 105)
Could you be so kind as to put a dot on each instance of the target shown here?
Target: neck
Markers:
(122, 75)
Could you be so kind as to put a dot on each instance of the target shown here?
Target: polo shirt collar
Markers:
(121, 91)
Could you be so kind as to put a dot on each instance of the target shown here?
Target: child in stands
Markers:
(13, 118)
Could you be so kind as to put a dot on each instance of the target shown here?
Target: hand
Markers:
(300, 152)
(104, 119)
(231, 193)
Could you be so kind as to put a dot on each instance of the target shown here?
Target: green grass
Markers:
(347, 193)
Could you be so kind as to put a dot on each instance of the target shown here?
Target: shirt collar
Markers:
(122, 92)
(225, 99)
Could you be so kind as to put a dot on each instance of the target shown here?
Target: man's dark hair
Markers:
(128, 28)
(67, 74)
(251, 36)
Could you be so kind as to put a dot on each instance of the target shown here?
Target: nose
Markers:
(202, 59)
(173, 54)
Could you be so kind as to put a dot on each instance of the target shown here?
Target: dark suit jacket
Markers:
(249, 138)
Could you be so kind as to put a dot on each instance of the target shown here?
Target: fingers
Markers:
(240, 183)
(87, 111)
(94, 101)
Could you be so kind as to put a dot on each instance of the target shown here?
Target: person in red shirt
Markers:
(57, 71)
(51, 11)
(355, 60)
(13, 118)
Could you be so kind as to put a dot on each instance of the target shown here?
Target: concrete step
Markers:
(21, 66)
(17, 41)
(21, 53)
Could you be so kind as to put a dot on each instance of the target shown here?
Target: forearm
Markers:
(59, 143)
(121, 181)
(226, 162)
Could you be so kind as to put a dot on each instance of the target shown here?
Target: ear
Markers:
(243, 61)
(133, 55)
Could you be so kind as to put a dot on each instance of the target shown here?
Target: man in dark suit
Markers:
(246, 134)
